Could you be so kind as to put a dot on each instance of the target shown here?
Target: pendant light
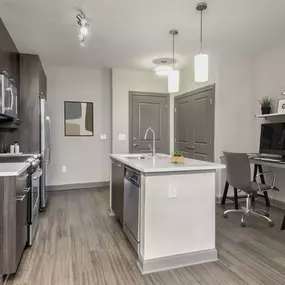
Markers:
(201, 61)
(173, 76)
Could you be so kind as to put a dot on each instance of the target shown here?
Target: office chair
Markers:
(238, 175)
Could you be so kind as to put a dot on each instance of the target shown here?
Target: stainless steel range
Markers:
(34, 196)
(34, 177)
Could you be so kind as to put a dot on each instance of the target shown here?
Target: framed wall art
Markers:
(78, 119)
(281, 106)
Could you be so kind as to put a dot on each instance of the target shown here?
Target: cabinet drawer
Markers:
(21, 225)
(22, 183)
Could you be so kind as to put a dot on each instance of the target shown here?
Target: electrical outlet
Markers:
(103, 136)
(63, 168)
(172, 192)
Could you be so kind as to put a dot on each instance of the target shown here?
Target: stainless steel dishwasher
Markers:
(131, 206)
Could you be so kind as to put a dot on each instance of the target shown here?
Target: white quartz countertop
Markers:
(161, 163)
(13, 169)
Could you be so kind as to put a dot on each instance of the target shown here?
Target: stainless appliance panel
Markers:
(131, 206)
(45, 151)
(34, 201)
(8, 98)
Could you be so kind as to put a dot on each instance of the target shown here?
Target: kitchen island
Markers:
(175, 209)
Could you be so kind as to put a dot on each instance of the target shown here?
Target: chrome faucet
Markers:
(153, 139)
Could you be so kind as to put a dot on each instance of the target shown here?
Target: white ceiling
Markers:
(131, 33)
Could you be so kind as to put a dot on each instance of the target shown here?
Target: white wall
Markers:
(270, 81)
(86, 158)
(234, 106)
(124, 81)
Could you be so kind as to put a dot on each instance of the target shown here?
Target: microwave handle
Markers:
(12, 98)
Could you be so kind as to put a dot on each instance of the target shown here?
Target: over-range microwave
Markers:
(8, 98)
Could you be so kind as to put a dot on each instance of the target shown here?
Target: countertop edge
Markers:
(214, 167)
(14, 173)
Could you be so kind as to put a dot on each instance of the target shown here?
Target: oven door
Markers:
(35, 190)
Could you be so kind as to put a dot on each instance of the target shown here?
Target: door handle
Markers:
(135, 145)
(190, 147)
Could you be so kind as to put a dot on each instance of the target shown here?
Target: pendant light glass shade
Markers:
(201, 61)
(162, 70)
(201, 66)
(173, 81)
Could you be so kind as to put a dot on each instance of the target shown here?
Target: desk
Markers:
(258, 163)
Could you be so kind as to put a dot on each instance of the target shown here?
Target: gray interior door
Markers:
(194, 123)
(149, 110)
(183, 131)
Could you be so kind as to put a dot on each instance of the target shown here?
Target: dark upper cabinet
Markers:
(42, 81)
(32, 86)
(9, 55)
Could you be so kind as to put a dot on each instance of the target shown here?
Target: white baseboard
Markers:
(176, 261)
(77, 186)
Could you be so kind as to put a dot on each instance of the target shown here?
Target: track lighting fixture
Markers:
(84, 28)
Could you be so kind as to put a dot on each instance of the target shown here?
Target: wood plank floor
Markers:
(79, 244)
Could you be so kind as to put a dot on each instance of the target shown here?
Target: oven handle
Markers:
(39, 174)
(27, 190)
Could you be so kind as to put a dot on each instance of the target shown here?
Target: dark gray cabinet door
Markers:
(149, 110)
(21, 224)
(33, 83)
(9, 55)
(118, 171)
(194, 124)
(42, 81)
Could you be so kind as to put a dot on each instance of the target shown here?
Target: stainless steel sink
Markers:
(136, 157)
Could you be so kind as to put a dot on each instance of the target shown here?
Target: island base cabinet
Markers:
(118, 171)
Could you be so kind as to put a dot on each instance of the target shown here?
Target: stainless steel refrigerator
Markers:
(46, 150)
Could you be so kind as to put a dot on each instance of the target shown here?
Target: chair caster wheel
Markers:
(271, 224)
(225, 216)
(242, 224)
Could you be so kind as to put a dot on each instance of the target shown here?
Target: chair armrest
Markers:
(266, 173)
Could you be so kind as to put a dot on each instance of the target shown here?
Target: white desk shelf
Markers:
(274, 115)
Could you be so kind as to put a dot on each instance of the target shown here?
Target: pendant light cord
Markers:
(201, 33)
(173, 51)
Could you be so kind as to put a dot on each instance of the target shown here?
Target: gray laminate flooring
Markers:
(79, 244)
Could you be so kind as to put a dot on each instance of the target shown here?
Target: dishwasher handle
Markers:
(132, 176)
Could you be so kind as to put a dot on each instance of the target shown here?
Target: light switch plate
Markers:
(122, 137)
(63, 168)
(103, 136)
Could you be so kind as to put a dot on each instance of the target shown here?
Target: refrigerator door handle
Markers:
(49, 138)
(49, 154)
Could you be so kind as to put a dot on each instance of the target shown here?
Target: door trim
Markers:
(150, 94)
(211, 87)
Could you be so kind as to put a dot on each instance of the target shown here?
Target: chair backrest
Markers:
(238, 170)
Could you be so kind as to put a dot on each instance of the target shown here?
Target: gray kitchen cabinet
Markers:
(13, 221)
(21, 224)
(9, 55)
(33, 85)
(118, 171)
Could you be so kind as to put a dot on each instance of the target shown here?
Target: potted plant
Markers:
(177, 157)
(266, 104)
